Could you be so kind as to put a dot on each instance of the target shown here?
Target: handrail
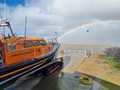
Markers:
(5, 23)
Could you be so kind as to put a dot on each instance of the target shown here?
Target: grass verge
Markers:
(113, 62)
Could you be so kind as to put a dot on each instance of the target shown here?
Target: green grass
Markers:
(111, 60)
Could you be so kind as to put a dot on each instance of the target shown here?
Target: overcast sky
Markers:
(49, 16)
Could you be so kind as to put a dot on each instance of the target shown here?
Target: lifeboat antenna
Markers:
(25, 34)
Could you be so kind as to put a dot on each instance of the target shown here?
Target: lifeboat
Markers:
(22, 56)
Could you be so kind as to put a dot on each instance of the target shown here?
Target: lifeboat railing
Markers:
(5, 23)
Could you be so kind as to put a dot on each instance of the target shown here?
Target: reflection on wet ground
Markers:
(72, 82)
(62, 82)
(48, 83)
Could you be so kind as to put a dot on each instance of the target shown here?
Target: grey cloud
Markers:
(99, 9)
(38, 20)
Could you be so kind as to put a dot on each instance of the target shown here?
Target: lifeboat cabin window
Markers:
(30, 43)
(40, 42)
(43, 42)
(36, 43)
(11, 47)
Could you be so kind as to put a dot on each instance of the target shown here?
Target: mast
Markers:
(25, 34)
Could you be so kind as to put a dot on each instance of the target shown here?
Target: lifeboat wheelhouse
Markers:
(15, 49)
